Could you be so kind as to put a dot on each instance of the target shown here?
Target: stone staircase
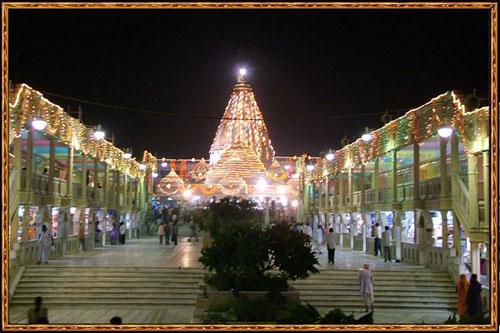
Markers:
(410, 289)
(117, 286)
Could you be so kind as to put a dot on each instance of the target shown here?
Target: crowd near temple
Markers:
(423, 176)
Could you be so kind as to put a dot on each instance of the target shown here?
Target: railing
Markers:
(409, 252)
(430, 189)
(368, 196)
(460, 200)
(29, 249)
(384, 195)
(356, 198)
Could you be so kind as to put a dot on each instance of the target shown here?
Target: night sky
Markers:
(304, 67)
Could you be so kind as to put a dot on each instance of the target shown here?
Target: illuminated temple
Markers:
(242, 160)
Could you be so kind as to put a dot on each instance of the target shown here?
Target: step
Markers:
(103, 284)
(381, 271)
(110, 279)
(379, 298)
(109, 301)
(378, 288)
(394, 293)
(400, 284)
(378, 305)
(101, 295)
(114, 268)
(116, 274)
(113, 290)
(379, 278)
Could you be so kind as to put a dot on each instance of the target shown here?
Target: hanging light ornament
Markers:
(170, 184)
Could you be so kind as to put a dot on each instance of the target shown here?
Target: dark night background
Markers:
(302, 64)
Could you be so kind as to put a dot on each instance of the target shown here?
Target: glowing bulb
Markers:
(39, 124)
(187, 194)
(99, 133)
(310, 167)
(445, 132)
(142, 167)
(127, 155)
(154, 174)
(261, 182)
(295, 176)
(196, 198)
(366, 137)
(295, 203)
(287, 167)
(243, 71)
(164, 164)
(329, 156)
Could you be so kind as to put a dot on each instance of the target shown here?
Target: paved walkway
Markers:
(147, 252)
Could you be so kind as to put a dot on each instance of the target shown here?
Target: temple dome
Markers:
(239, 160)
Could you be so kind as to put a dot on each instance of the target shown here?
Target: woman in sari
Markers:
(461, 289)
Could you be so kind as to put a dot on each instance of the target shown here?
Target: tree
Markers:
(246, 257)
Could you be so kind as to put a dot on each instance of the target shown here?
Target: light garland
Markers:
(28, 103)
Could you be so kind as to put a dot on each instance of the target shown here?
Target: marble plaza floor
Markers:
(146, 252)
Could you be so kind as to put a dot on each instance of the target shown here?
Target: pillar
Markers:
(52, 164)
(442, 168)
(486, 187)
(84, 177)
(29, 163)
(14, 206)
(416, 172)
(473, 189)
(376, 181)
(341, 228)
(351, 216)
(327, 197)
(457, 241)
(105, 185)
(475, 257)
(394, 176)
(26, 222)
(397, 234)
(444, 229)
(96, 178)
(69, 174)
(349, 186)
(341, 193)
(116, 180)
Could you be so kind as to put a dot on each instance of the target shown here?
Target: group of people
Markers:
(167, 231)
(468, 296)
(382, 239)
(118, 233)
(319, 238)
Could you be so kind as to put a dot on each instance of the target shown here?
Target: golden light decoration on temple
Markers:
(170, 184)
(200, 170)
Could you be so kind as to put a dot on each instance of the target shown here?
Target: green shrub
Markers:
(296, 313)
(243, 254)
(336, 317)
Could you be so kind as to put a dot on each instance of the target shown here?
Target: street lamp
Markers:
(38, 123)
(295, 203)
(367, 136)
(99, 133)
(187, 194)
(164, 163)
(445, 131)
(329, 156)
(127, 154)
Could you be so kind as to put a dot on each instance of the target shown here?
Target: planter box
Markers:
(216, 297)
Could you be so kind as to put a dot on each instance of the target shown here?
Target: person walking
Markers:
(161, 232)
(115, 234)
(98, 232)
(377, 234)
(175, 230)
(330, 246)
(194, 232)
(168, 232)
(319, 237)
(366, 286)
(474, 306)
(461, 289)
(123, 231)
(81, 236)
(39, 313)
(44, 243)
(386, 242)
